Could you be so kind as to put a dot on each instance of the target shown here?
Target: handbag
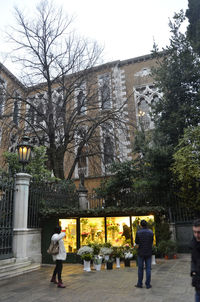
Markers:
(53, 248)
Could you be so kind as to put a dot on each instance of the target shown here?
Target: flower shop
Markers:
(82, 231)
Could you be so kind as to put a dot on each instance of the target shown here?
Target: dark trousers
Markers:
(141, 261)
(58, 269)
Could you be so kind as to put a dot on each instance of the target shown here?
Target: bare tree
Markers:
(63, 105)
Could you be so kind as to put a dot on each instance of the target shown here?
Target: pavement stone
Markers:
(171, 282)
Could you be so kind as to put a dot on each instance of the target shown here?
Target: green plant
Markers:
(87, 257)
(167, 247)
(96, 248)
(107, 244)
(117, 252)
(154, 250)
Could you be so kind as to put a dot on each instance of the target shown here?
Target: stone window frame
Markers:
(147, 93)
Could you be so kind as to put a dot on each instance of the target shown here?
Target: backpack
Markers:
(53, 248)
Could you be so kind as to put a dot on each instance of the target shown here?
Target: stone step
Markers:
(7, 261)
(16, 268)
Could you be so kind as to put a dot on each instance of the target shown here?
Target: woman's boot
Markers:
(53, 279)
(60, 284)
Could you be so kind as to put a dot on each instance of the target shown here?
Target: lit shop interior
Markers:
(116, 230)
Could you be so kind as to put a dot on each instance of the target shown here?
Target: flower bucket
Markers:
(109, 265)
(127, 262)
(98, 267)
(153, 259)
(86, 266)
(117, 262)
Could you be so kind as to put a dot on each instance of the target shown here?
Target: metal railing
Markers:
(51, 196)
(6, 217)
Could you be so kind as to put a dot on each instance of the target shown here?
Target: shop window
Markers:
(118, 230)
(136, 224)
(92, 230)
(70, 240)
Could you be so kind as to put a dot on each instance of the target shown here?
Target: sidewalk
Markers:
(170, 280)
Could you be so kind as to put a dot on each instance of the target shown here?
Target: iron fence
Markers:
(51, 196)
(95, 202)
(6, 217)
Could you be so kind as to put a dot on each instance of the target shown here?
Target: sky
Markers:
(125, 28)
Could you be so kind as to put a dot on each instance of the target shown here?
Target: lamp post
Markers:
(24, 151)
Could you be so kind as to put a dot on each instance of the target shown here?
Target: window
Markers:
(143, 114)
(16, 113)
(107, 144)
(82, 164)
(105, 91)
(81, 103)
(16, 108)
(108, 150)
(80, 96)
(40, 113)
(145, 98)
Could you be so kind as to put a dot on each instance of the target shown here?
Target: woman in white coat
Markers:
(58, 236)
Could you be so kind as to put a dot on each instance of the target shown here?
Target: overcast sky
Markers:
(126, 28)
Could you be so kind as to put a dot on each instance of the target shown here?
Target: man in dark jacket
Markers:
(144, 241)
(195, 259)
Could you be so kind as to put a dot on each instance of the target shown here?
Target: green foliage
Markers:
(193, 30)
(117, 252)
(162, 231)
(13, 162)
(122, 180)
(178, 76)
(36, 167)
(186, 167)
(167, 247)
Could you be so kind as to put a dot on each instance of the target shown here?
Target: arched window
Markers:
(143, 113)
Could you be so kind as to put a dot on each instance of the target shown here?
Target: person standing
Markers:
(58, 237)
(195, 259)
(144, 241)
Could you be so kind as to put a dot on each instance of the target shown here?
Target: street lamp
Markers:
(24, 151)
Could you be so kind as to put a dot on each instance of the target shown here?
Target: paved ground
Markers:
(170, 281)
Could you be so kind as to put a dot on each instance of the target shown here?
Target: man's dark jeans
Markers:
(197, 296)
(141, 261)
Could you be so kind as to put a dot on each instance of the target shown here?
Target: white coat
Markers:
(62, 252)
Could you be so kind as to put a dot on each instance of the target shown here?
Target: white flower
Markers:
(85, 250)
(106, 251)
(128, 255)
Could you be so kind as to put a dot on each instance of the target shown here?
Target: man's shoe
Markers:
(138, 286)
(148, 286)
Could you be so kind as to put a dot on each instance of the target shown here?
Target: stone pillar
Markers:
(83, 201)
(20, 216)
(82, 191)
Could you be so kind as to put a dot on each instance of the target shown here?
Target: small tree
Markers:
(59, 104)
(186, 167)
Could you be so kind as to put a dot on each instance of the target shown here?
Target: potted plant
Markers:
(106, 252)
(167, 248)
(128, 255)
(117, 254)
(109, 262)
(86, 253)
(97, 262)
